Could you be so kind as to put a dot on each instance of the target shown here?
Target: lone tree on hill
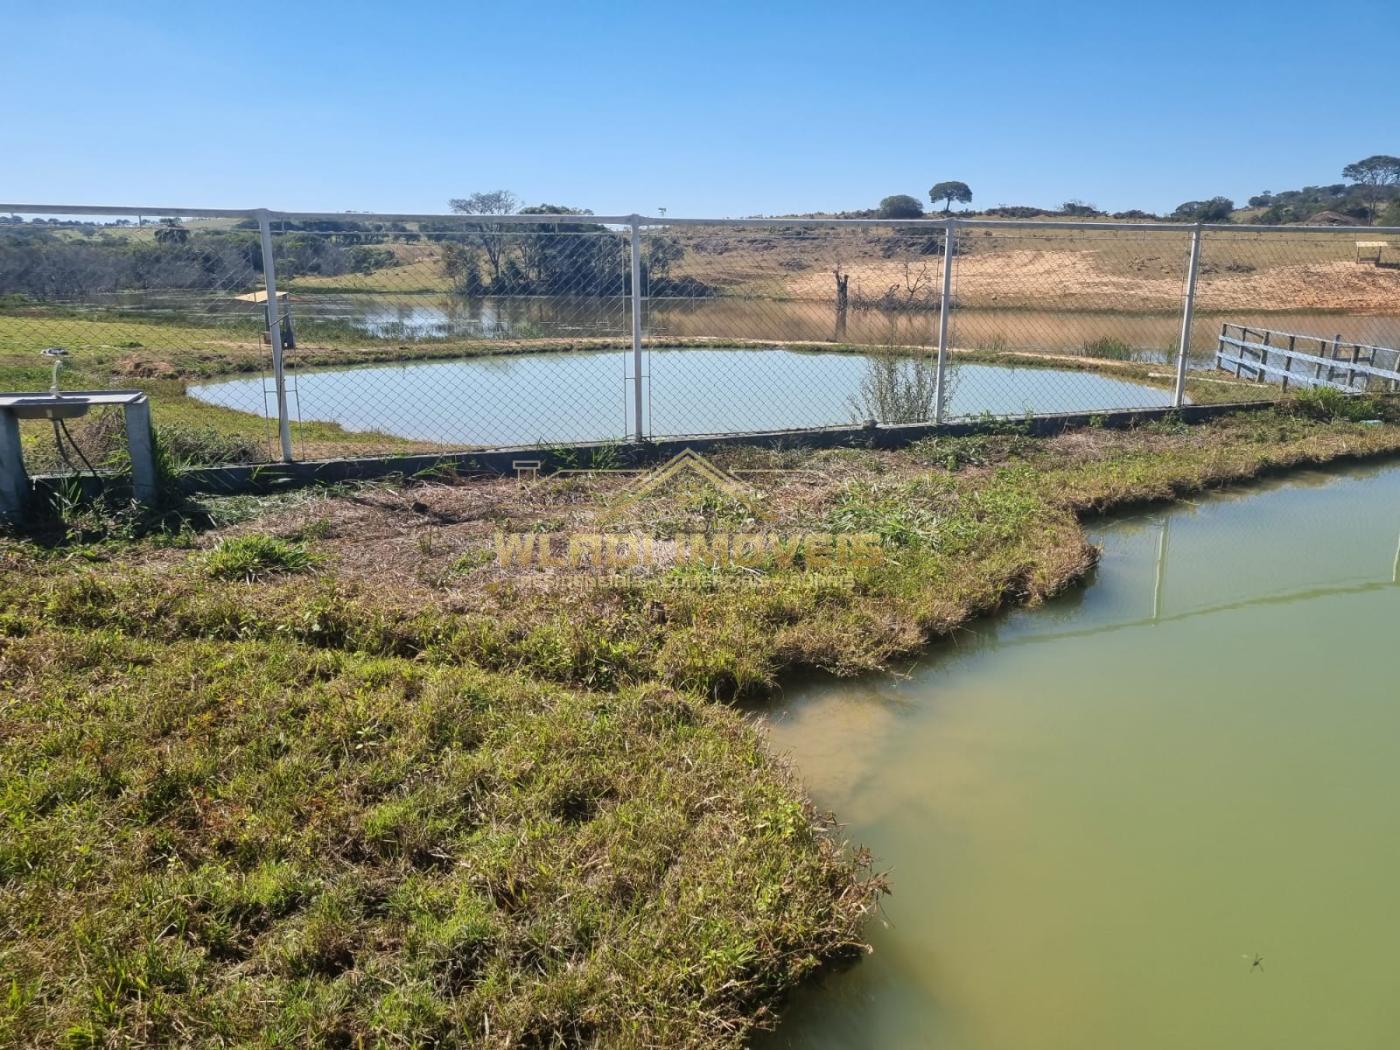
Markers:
(948, 192)
(1375, 173)
(901, 206)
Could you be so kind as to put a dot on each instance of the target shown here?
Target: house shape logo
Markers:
(688, 461)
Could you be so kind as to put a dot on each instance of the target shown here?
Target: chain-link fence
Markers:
(400, 334)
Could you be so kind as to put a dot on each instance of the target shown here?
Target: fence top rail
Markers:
(952, 222)
(1304, 335)
(296, 216)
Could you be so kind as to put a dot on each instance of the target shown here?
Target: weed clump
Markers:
(1327, 404)
(896, 514)
(1108, 348)
(254, 556)
(206, 446)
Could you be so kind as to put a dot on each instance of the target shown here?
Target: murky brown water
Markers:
(786, 321)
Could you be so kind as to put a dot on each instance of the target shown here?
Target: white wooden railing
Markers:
(1266, 355)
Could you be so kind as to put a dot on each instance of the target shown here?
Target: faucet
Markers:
(58, 354)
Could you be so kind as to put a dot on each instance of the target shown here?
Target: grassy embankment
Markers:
(392, 793)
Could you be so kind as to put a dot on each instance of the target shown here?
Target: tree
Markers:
(661, 252)
(568, 258)
(1079, 208)
(1217, 209)
(170, 232)
(948, 192)
(901, 206)
(1375, 174)
(489, 237)
(459, 267)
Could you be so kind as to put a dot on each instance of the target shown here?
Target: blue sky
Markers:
(705, 109)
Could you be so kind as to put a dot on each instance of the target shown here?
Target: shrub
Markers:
(1079, 209)
(366, 259)
(256, 555)
(899, 388)
(1217, 209)
(1018, 211)
(901, 206)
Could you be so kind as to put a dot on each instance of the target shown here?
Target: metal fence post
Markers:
(274, 335)
(1183, 349)
(945, 305)
(640, 433)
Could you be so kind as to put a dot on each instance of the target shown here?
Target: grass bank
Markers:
(317, 769)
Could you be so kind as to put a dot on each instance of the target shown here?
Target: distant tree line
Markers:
(43, 260)
(1217, 209)
(1371, 194)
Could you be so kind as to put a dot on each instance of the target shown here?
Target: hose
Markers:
(60, 425)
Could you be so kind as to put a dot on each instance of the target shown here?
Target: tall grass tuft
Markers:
(256, 555)
(1326, 404)
(1108, 348)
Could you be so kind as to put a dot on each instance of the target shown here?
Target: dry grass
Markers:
(419, 269)
(1017, 274)
(1048, 268)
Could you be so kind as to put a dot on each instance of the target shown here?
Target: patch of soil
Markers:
(137, 367)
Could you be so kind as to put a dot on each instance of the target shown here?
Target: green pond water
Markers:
(1095, 815)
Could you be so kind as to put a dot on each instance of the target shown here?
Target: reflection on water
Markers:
(1153, 336)
(1094, 811)
(403, 317)
(496, 318)
(529, 398)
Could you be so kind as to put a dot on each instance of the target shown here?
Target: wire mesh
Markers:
(1052, 320)
(447, 336)
(1292, 309)
(136, 302)
(774, 325)
(447, 333)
